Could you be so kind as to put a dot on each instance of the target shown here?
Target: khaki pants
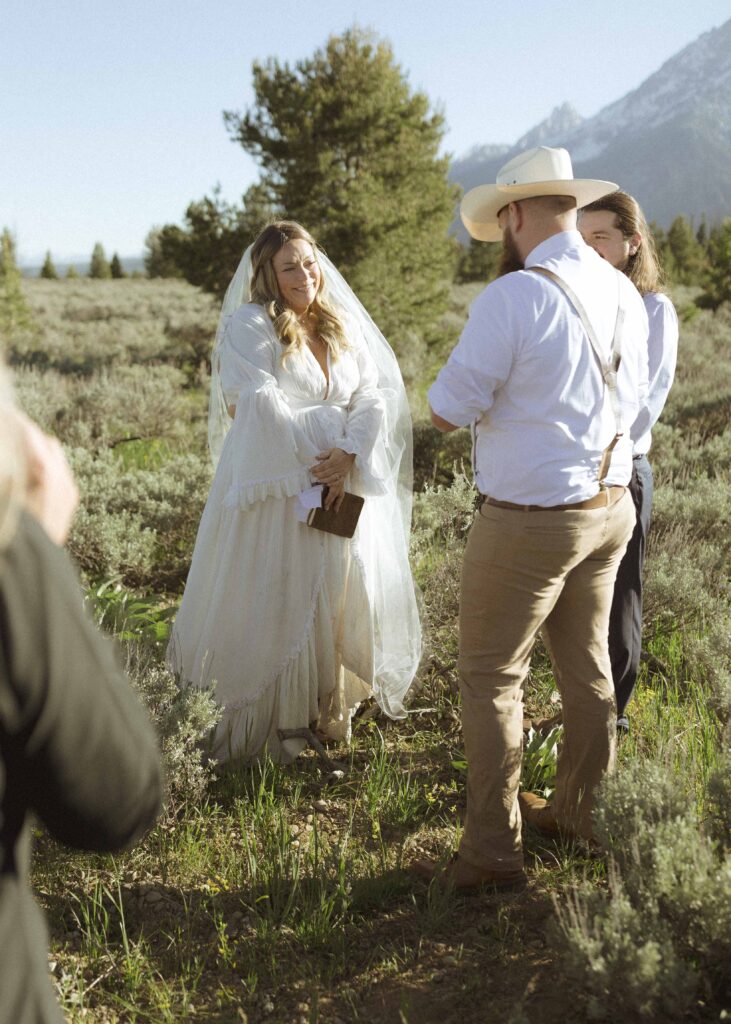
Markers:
(525, 571)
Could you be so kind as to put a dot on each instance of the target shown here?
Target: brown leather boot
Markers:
(538, 813)
(461, 876)
(543, 725)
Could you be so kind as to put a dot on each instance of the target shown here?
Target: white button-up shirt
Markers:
(662, 350)
(524, 372)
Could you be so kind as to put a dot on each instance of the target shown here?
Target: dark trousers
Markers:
(625, 619)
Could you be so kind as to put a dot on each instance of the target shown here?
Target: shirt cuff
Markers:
(444, 405)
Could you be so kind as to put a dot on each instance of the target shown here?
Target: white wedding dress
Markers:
(289, 625)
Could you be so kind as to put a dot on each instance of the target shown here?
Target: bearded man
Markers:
(551, 372)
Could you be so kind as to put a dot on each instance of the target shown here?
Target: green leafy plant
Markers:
(540, 757)
(127, 616)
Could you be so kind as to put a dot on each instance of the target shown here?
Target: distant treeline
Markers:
(700, 257)
(98, 267)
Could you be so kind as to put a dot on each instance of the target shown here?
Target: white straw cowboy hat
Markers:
(535, 172)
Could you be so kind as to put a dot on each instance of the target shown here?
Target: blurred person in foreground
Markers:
(291, 626)
(616, 227)
(77, 750)
(537, 373)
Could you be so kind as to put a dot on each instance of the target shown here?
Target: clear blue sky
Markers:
(110, 112)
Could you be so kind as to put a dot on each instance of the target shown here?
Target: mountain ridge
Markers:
(668, 142)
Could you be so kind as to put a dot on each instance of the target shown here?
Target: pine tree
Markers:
(207, 251)
(99, 267)
(350, 151)
(688, 257)
(115, 267)
(48, 270)
(718, 282)
(72, 272)
(156, 264)
(478, 262)
(15, 316)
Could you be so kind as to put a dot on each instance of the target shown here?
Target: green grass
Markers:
(150, 453)
(672, 717)
(278, 896)
(280, 890)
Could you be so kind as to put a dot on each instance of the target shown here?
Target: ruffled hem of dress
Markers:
(242, 495)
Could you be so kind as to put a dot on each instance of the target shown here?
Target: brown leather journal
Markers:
(343, 522)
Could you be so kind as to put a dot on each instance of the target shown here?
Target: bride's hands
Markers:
(332, 466)
(335, 495)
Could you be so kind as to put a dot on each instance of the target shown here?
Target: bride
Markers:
(290, 626)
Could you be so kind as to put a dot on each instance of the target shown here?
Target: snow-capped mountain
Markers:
(562, 122)
(667, 142)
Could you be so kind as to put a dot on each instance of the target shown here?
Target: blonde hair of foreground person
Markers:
(12, 462)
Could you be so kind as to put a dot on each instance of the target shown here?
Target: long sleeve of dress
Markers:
(270, 456)
(364, 428)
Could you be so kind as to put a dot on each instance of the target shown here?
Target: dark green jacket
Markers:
(76, 749)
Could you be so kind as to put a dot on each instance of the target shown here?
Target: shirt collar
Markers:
(554, 246)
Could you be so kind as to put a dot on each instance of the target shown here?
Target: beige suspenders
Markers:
(609, 368)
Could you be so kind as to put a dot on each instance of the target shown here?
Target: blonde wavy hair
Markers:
(12, 461)
(265, 292)
(643, 268)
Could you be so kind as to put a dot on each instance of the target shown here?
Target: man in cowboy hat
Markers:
(551, 372)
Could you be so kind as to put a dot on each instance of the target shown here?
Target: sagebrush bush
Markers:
(700, 399)
(110, 406)
(442, 518)
(710, 655)
(702, 510)
(86, 325)
(680, 583)
(138, 525)
(618, 964)
(442, 515)
(678, 455)
(183, 719)
(660, 940)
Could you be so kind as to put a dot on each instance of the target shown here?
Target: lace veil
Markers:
(396, 428)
